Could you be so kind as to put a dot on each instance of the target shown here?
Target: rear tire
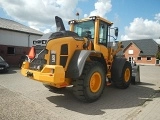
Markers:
(121, 77)
(90, 85)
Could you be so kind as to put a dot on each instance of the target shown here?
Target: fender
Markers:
(77, 63)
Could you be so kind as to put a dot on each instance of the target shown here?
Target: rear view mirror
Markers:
(116, 31)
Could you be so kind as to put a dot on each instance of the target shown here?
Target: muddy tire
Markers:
(121, 75)
(90, 85)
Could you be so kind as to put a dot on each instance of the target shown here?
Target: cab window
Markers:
(103, 33)
(82, 27)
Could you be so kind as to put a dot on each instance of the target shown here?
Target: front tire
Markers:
(121, 75)
(90, 85)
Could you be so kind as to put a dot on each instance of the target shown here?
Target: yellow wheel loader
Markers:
(81, 57)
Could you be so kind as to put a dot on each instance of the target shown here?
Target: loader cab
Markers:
(94, 28)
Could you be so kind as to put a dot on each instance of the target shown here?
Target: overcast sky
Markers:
(136, 19)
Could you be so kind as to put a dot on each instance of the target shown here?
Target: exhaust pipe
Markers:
(59, 24)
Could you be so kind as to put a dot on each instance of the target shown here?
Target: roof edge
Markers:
(21, 31)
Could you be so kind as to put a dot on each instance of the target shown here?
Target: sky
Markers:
(136, 19)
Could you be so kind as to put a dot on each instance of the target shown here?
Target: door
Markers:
(131, 60)
(103, 38)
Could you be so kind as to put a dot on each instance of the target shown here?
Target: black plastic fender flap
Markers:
(77, 63)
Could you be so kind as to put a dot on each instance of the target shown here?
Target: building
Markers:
(141, 51)
(15, 40)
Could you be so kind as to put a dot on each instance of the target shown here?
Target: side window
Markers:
(103, 33)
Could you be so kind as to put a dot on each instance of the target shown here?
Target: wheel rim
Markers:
(127, 75)
(95, 82)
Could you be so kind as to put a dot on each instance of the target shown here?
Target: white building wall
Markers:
(32, 38)
(17, 38)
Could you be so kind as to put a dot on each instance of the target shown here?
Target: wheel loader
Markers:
(81, 57)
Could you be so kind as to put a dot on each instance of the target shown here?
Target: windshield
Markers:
(1, 59)
(82, 27)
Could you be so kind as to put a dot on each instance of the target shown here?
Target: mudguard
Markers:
(77, 63)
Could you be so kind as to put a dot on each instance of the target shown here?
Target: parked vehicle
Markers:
(4, 66)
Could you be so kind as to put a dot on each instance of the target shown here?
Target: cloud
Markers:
(157, 17)
(85, 15)
(157, 40)
(39, 13)
(142, 29)
(47, 30)
(101, 8)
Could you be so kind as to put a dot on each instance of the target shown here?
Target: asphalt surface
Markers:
(25, 99)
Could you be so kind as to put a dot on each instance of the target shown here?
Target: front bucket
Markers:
(135, 74)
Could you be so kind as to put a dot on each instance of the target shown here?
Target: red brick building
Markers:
(141, 51)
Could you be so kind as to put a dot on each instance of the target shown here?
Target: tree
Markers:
(158, 55)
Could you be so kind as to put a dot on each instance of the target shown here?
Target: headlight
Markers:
(92, 17)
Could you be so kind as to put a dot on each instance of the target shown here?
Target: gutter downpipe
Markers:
(28, 39)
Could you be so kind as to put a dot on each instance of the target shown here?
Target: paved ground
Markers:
(25, 99)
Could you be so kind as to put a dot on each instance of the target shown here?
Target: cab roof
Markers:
(94, 18)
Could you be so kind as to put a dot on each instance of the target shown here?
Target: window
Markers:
(139, 58)
(130, 52)
(103, 33)
(10, 50)
(149, 58)
(82, 28)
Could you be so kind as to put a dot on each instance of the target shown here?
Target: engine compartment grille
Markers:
(38, 62)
